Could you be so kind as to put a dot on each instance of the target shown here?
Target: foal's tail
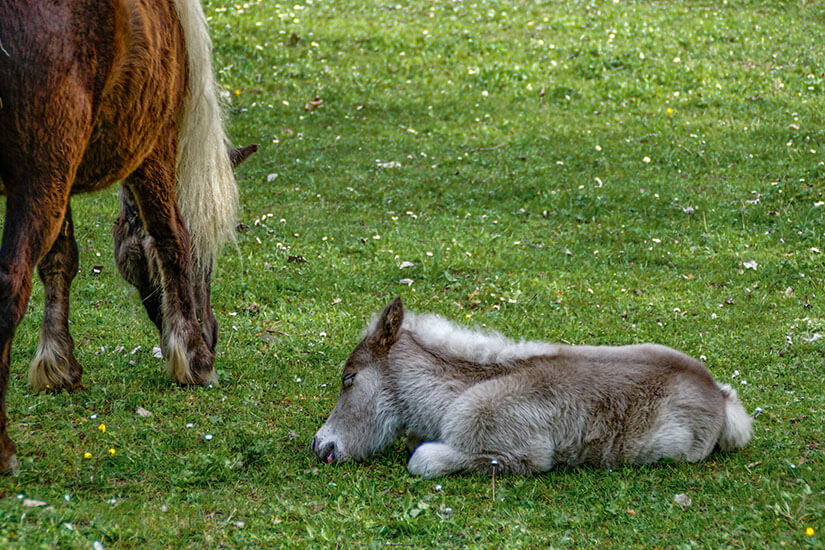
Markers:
(737, 430)
(207, 193)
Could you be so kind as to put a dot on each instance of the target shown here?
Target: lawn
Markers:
(600, 172)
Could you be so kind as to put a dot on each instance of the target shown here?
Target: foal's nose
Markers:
(324, 451)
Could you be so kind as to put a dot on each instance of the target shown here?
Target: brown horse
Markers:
(93, 92)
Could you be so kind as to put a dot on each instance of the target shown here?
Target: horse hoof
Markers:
(51, 372)
(210, 379)
(12, 465)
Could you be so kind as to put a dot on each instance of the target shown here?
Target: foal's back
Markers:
(595, 405)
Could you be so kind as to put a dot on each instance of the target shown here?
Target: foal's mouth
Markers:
(325, 452)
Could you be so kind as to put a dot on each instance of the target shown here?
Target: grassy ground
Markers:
(604, 172)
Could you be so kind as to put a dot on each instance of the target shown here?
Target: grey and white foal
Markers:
(467, 399)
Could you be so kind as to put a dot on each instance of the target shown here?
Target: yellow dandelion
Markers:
(237, 92)
(809, 531)
(669, 110)
(87, 454)
(102, 428)
(112, 452)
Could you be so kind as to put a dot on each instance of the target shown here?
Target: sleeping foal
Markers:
(475, 401)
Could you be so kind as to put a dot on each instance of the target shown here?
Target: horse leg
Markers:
(135, 257)
(188, 356)
(54, 366)
(34, 216)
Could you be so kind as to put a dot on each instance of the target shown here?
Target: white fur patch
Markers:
(738, 428)
(176, 364)
(487, 348)
(49, 368)
(435, 460)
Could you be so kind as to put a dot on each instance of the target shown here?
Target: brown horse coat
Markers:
(93, 92)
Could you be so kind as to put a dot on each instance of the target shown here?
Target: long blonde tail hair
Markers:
(206, 189)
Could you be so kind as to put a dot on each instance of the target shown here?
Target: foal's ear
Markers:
(237, 156)
(389, 324)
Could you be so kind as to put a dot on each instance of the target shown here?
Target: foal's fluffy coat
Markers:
(470, 398)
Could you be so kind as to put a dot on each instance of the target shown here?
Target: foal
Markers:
(467, 399)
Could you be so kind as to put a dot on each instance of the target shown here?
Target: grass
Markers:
(590, 172)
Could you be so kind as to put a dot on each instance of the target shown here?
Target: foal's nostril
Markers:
(325, 452)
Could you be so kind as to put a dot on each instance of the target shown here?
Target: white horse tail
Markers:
(737, 430)
(206, 189)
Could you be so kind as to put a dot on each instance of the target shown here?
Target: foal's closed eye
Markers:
(349, 379)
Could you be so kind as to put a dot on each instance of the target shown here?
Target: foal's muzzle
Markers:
(324, 451)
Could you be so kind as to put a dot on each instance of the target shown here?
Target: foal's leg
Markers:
(153, 185)
(54, 366)
(434, 459)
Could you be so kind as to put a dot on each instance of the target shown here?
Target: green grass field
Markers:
(601, 172)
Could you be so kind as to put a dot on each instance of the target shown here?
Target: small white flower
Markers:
(208, 437)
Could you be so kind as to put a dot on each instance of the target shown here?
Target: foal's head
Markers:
(364, 420)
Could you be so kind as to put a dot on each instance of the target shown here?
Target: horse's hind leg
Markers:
(136, 260)
(54, 366)
(188, 357)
